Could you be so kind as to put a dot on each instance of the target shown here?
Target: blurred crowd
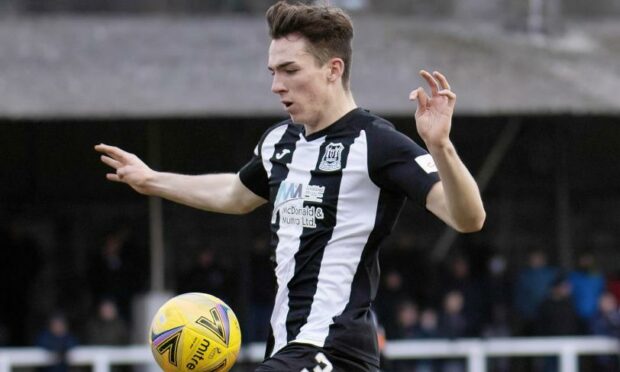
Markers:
(418, 299)
(534, 299)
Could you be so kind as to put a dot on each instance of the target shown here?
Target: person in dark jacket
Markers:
(606, 322)
(557, 316)
(108, 328)
(58, 339)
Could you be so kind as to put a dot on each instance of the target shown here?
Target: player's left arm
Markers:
(456, 199)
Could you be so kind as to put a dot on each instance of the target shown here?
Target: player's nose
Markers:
(277, 86)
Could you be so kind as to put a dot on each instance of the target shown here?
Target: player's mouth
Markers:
(287, 104)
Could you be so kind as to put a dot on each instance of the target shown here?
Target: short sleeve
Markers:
(254, 177)
(400, 165)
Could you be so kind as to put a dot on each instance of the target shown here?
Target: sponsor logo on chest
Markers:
(289, 203)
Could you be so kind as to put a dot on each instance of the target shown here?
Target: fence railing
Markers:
(474, 351)
(477, 351)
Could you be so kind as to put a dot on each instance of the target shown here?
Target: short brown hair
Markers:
(328, 29)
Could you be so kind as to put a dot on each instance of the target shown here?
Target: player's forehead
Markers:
(291, 48)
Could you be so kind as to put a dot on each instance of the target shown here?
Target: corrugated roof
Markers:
(144, 67)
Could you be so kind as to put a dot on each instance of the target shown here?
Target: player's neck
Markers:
(335, 108)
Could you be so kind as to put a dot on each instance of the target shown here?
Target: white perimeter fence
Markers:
(475, 351)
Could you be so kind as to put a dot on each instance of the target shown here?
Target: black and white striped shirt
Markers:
(336, 194)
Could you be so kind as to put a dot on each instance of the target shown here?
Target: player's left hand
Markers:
(434, 114)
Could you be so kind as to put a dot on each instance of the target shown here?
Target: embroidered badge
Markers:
(332, 159)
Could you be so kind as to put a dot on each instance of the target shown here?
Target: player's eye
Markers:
(291, 72)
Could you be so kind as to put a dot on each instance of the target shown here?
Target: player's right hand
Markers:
(128, 167)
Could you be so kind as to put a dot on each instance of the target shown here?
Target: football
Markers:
(195, 332)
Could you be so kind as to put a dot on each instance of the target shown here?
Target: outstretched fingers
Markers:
(447, 93)
(116, 165)
(113, 177)
(445, 86)
(432, 83)
(442, 80)
(111, 162)
(112, 151)
(116, 159)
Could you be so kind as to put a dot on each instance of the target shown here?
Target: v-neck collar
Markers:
(335, 126)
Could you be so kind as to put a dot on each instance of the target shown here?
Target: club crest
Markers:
(332, 159)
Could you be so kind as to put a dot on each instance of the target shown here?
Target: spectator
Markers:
(496, 313)
(58, 339)
(498, 326)
(113, 272)
(407, 320)
(557, 316)
(606, 322)
(459, 279)
(412, 326)
(207, 275)
(453, 324)
(497, 287)
(588, 284)
(531, 288)
(428, 329)
(107, 328)
(429, 326)
(391, 294)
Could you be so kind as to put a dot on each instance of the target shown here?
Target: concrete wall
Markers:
(482, 9)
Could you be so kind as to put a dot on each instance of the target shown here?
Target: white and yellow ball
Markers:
(195, 332)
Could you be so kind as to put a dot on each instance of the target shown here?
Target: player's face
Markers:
(298, 79)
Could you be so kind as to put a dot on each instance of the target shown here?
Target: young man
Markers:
(336, 177)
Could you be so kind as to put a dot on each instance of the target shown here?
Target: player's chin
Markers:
(294, 111)
(295, 117)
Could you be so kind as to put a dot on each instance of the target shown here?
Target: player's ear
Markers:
(336, 69)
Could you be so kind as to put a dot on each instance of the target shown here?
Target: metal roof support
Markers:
(562, 199)
(156, 216)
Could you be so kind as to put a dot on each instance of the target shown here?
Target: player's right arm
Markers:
(223, 193)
